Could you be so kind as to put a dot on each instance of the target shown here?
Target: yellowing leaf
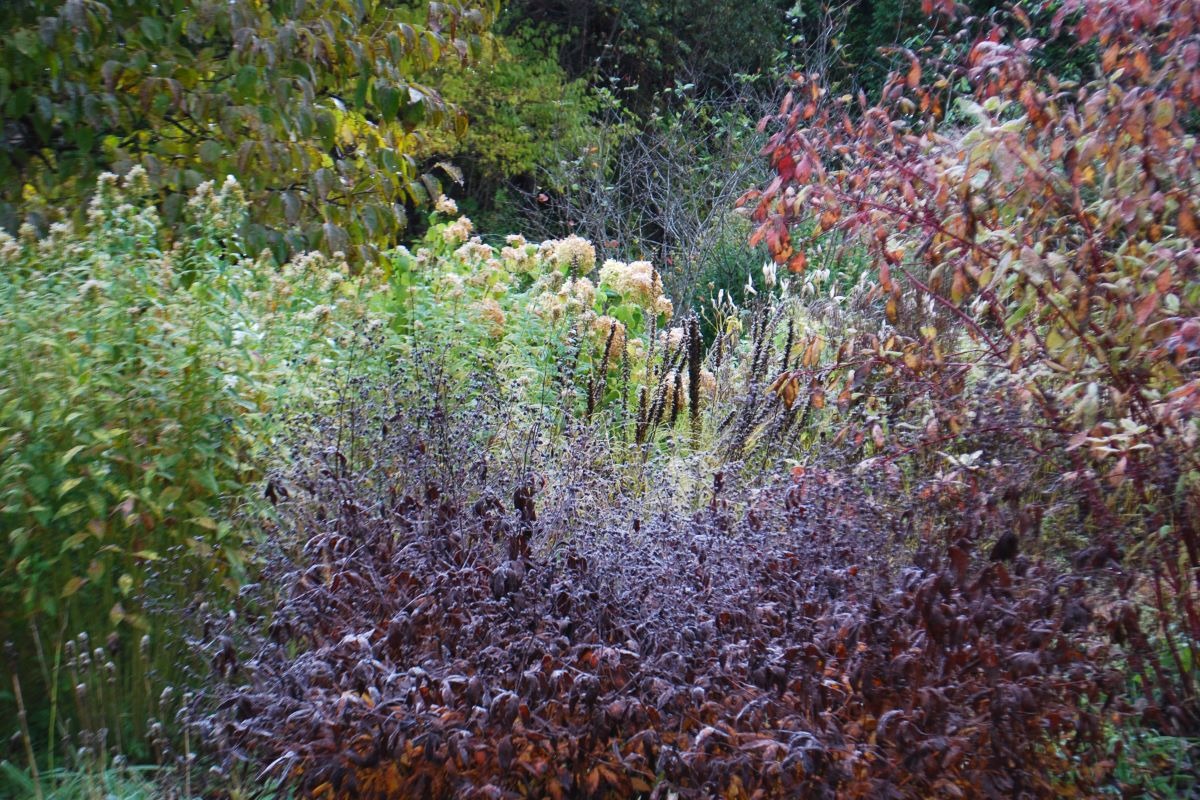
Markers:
(70, 454)
(1164, 113)
(72, 586)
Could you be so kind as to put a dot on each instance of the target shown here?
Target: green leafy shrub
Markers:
(524, 114)
(136, 382)
(560, 329)
(313, 105)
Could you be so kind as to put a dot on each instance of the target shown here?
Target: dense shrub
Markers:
(524, 115)
(136, 380)
(652, 46)
(312, 105)
(465, 613)
(1039, 273)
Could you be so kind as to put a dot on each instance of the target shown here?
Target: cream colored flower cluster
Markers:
(638, 282)
(305, 265)
(581, 295)
(221, 212)
(474, 250)
(573, 297)
(604, 326)
(493, 316)
(458, 231)
(450, 285)
(446, 206)
(10, 249)
(519, 256)
(671, 340)
(318, 313)
(491, 273)
(576, 253)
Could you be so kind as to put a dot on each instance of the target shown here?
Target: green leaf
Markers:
(169, 496)
(323, 182)
(152, 29)
(326, 127)
(245, 81)
(70, 454)
(74, 541)
(388, 100)
(210, 151)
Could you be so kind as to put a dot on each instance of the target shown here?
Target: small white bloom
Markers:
(768, 271)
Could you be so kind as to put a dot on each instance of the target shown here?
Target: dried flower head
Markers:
(474, 250)
(451, 285)
(664, 306)
(671, 339)
(576, 253)
(520, 258)
(581, 295)
(458, 231)
(10, 250)
(493, 315)
(637, 282)
(604, 326)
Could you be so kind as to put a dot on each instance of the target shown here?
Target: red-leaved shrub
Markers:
(457, 626)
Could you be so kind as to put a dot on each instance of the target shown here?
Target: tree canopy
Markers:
(311, 103)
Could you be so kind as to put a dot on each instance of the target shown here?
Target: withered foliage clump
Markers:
(460, 623)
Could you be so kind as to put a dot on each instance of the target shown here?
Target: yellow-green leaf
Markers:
(72, 586)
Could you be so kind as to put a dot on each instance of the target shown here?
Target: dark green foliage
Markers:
(650, 45)
(311, 104)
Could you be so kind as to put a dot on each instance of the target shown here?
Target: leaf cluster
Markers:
(456, 622)
(137, 387)
(313, 105)
(1046, 251)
